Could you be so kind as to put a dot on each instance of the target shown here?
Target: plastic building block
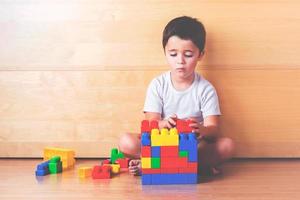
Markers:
(42, 169)
(145, 126)
(123, 162)
(153, 124)
(169, 151)
(146, 163)
(188, 142)
(43, 165)
(151, 171)
(155, 152)
(107, 161)
(115, 154)
(115, 168)
(146, 179)
(146, 151)
(145, 139)
(41, 172)
(101, 172)
(183, 126)
(55, 168)
(84, 172)
(66, 155)
(183, 153)
(155, 163)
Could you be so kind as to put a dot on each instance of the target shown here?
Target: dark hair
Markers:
(186, 28)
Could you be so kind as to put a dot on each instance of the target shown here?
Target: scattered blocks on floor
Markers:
(101, 172)
(84, 172)
(115, 154)
(67, 156)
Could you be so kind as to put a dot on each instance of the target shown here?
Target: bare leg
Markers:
(214, 154)
(130, 145)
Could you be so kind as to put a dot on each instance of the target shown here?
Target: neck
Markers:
(182, 83)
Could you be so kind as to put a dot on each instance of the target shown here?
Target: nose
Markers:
(180, 59)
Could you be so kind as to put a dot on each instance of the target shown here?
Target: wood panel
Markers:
(75, 73)
(78, 109)
(89, 35)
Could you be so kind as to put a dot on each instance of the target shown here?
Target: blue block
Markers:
(145, 139)
(146, 179)
(155, 152)
(166, 179)
(41, 172)
(43, 165)
(188, 142)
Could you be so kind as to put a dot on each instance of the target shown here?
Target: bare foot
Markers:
(135, 167)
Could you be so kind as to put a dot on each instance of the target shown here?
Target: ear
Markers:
(201, 54)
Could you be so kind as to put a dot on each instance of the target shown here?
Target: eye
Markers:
(188, 54)
(173, 54)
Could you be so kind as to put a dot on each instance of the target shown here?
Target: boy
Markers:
(181, 93)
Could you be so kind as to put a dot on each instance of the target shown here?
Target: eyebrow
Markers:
(184, 50)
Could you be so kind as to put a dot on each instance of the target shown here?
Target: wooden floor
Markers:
(242, 179)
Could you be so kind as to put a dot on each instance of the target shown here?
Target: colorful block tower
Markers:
(168, 156)
(66, 156)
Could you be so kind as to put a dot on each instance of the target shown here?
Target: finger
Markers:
(173, 116)
(194, 125)
(172, 122)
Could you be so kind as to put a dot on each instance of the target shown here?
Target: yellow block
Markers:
(84, 172)
(66, 156)
(146, 163)
(115, 168)
(164, 138)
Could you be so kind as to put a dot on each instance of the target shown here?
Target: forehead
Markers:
(177, 43)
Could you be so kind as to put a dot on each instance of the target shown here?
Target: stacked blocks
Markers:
(55, 165)
(52, 166)
(116, 163)
(66, 155)
(168, 157)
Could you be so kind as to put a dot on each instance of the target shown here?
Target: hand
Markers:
(196, 126)
(135, 167)
(168, 123)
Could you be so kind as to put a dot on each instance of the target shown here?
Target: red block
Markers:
(151, 171)
(183, 126)
(187, 170)
(145, 126)
(101, 172)
(154, 124)
(166, 162)
(169, 151)
(146, 151)
(123, 162)
(169, 170)
(105, 162)
(182, 162)
(193, 165)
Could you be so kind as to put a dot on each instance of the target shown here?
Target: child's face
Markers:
(182, 56)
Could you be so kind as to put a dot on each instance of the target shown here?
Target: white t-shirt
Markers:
(199, 100)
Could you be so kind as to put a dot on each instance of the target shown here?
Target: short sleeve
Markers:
(210, 102)
(153, 101)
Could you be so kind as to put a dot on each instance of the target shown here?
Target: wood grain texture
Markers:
(75, 73)
(241, 180)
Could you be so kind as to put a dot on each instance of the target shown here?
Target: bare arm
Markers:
(209, 129)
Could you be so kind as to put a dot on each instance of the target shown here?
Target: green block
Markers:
(55, 159)
(155, 163)
(115, 155)
(55, 168)
(183, 153)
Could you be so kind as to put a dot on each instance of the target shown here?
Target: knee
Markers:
(226, 148)
(129, 144)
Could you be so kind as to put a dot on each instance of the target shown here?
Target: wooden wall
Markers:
(74, 73)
